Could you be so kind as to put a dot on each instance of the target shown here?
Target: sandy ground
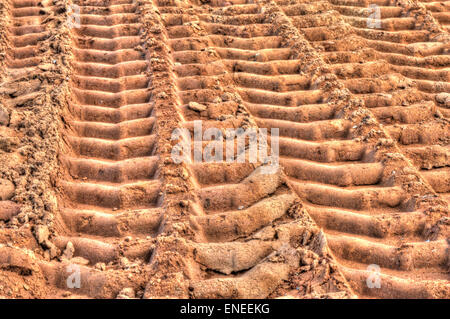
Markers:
(93, 205)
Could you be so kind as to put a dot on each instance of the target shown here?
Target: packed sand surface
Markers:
(93, 203)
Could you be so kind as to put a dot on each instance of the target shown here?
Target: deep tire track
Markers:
(440, 11)
(109, 204)
(409, 96)
(113, 164)
(245, 222)
(367, 199)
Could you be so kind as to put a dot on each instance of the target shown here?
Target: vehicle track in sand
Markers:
(440, 10)
(114, 189)
(404, 70)
(336, 90)
(109, 204)
(374, 67)
(344, 188)
(248, 231)
(246, 219)
(27, 31)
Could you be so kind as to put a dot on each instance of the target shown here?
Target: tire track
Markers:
(349, 185)
(24, 78)
(142, 68)
(440, 11)
(116, 188)
(34, 88)
(28, 31)
(111, 189)
(244, 221)
(398, 69)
